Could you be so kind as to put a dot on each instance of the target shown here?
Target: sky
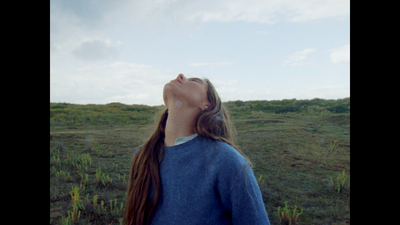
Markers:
(123, 51)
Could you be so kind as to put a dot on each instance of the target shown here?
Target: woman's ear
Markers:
(206, 106)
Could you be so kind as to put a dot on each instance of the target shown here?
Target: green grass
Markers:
(294, 155)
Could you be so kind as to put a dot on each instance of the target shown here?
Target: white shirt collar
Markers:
(182, 140)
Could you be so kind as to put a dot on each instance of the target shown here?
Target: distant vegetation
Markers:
(113, 114)
(117, 113)
(305, 107)
(299, 149)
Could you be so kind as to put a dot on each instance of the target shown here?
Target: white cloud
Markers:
(131, 83)
(301, 11)
(93, 14)
(262, 11)
(142, 97)
(75, 22)
(297, 58)
(95, 50)
(199, 64)
(223, 83)
(211, 64)
(78, 28)
(341, 55)
(127, 83)
(321, 91)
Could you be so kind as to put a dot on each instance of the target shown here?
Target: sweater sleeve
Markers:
(239, 191)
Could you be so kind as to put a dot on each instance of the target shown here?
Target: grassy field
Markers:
(300, 151)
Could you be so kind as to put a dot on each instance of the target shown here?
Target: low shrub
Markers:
(288, 215)
(286, 109)
(341, 182)
(339, 109)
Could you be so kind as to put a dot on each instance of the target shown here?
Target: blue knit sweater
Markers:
(203, 182)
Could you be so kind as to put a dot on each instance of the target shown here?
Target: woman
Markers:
(190, 171)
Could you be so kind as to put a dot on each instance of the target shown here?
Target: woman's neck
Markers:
(180, 123)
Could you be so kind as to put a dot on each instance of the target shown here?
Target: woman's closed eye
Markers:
(196, 80)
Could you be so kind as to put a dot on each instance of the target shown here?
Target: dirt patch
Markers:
(56, 212)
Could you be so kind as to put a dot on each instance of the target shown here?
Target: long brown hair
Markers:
(214, 122)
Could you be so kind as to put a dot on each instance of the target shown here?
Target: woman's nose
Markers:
(181, 77)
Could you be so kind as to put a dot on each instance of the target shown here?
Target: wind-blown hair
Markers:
(213, 122)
